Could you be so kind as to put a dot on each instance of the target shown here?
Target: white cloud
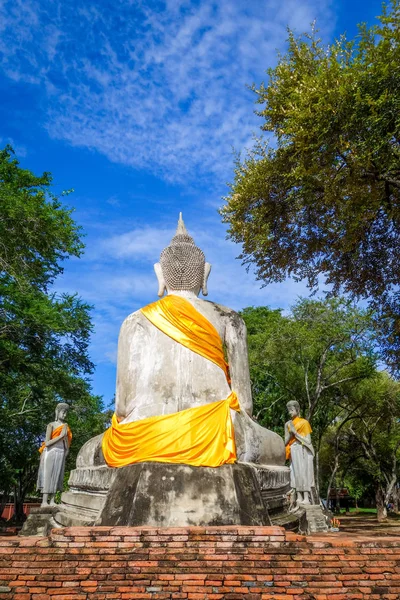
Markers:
(159, 86)
(153, 85)
(139, 242)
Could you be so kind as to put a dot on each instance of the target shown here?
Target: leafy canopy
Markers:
(361, 450)
(311, 355)
(325, 201)
(323, 354)
(44, 337)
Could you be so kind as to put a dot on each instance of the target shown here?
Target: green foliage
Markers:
(43, 337)
(309, 355)
(323, 355)
(325, 200)
(355, 487)
(268, 396)
(364, 440)
(376, 428)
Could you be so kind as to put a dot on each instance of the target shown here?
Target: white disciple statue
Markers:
(54, 452)
(300, 452)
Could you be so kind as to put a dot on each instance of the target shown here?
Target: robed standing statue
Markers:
(54, 452)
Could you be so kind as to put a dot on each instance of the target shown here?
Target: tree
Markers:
(269, 397)
(310, 353)
(376, 431)
(43, 336)
(323, 355)
(314, 356)
(325, 202)
(361, 448)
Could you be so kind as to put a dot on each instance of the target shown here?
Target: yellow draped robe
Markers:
(302, 427)
(200, 436)
(56, 433)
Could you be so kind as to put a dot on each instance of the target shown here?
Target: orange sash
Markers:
(178, 319)
(55, 433)
(302, 427)
(201, 436)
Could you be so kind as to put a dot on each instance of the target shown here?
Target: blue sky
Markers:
(137, 106)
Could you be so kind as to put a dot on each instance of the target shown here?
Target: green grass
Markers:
(369, 511)
(365, 511)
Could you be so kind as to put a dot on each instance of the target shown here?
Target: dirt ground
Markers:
(366, 524)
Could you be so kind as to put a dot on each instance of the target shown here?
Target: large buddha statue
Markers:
(183, 397)
(157, 375)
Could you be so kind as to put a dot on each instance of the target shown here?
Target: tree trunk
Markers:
(337, 507)
(19, 498)
(5, 498)
(381, 511)
(332, 478)
(396, 500)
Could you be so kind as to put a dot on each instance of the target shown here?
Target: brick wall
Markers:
(230, 563)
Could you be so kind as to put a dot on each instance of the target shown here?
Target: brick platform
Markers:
(215, 563)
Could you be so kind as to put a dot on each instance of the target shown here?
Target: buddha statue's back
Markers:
(164, 370)
(156, 375)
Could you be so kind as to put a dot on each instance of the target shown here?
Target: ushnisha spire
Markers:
(181, 235)
(182, 262)
(181, 229)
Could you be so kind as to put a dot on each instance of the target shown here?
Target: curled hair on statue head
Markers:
(182, 265)
(295, 404)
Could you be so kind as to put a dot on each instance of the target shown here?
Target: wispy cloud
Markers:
(158, 85)
(139, 242)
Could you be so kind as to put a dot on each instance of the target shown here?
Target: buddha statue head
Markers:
(61, 411)
(293, 408)
(182, 266)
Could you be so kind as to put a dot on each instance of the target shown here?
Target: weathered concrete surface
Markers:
(274, 484)
(91, 453)
(166, 495)
(40, 521)
(158, 376)
(155, 493)
(92, 478)
(313, 519)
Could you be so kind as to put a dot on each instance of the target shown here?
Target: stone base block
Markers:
(170, 495)
(312, 519)
(274, 484)
(40, 521)
(79, 508)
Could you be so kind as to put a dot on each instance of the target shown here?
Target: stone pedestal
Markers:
(312, 519)
(167, 495)
(40, 521)
(170, 495)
